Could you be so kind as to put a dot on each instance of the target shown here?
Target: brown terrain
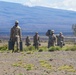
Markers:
(37, 63)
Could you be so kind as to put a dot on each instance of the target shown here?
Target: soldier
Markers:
(15, 35)
(28, 41)
(52, 39)
(36, 40)
(60, 39)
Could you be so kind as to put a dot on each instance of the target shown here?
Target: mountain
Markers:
(32, 19)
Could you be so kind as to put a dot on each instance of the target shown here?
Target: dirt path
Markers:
(38, 63)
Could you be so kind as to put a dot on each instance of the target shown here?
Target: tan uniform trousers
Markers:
(16, 41)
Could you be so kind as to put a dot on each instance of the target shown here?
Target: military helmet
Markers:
(61, 33)
(36, 32)
(16, 22)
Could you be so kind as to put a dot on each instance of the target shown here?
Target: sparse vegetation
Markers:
(29, 48)
(68, 68)
(43, 48)
(4, 48)
(69, 48)
(29, 66)
(24, 65)
(21, 74)
(55, 48)
(45, 64)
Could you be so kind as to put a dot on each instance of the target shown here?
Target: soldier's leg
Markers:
(61, 44)
(49, 44)
(17, 43)
(37, 46)
(53, 44)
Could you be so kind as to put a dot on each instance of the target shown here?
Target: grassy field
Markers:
(69, 46)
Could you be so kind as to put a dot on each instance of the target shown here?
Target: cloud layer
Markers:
(60, 4)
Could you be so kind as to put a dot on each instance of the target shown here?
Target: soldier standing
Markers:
(15, 35)
(52, 39)
(60, 39)
(28, 41)
(36, 40)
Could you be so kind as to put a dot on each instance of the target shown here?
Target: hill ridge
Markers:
(36, 18)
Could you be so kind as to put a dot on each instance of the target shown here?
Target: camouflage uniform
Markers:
(60, 40)
(36, 40)
(52, 39)
(15, 35)
(28, 41)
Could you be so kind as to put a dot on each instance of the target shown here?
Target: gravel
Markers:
(9, 63)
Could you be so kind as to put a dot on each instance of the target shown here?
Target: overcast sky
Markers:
(60, 4)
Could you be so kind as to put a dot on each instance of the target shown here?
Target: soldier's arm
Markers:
(20, 34)
(39, 38)
(55, 39)
(63, 38)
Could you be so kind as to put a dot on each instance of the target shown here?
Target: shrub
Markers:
(3, 48)
(20, 74)
(71, 48)
(54, 48)
(29, 66)
(68, 68)
(29, 52)
(24, 65)
(29, 48)
(45, 64)
(42, 49)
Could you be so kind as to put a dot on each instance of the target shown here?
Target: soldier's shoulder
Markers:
(18, 27)
(13, 27)
(54, 35)
(62, 35)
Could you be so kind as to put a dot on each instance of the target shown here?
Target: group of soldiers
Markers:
(36, 41)
(57, 40)
(16, 37)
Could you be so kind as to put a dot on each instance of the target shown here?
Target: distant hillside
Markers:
(35, 18)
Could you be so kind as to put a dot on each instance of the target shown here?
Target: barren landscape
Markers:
(38, 16)
(38, 63)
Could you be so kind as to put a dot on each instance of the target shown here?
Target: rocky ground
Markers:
(38, 63)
